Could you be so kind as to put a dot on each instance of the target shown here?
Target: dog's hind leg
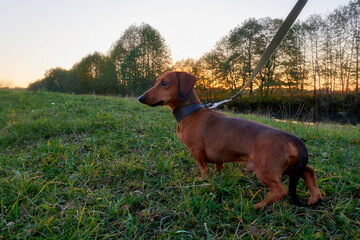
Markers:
(309, 177)
(269, 167)
(277, 190)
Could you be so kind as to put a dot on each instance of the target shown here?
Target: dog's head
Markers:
(169, 89)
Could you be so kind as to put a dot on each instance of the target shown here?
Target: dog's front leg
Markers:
(219, 166)
(201, 162)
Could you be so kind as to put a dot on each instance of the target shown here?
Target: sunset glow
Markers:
(39, 35)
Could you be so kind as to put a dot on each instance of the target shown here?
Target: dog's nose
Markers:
(142, 98)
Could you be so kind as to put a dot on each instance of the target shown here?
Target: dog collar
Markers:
(183, 112)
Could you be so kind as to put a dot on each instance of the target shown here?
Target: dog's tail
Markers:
(297, 173)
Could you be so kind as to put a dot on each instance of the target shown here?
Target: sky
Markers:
(36, 35)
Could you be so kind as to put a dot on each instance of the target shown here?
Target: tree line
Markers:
(131, 65)
(318, 56)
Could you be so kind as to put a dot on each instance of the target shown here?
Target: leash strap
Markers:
(185, 111)
(284, 28)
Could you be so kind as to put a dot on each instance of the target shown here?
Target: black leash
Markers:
(284, 28)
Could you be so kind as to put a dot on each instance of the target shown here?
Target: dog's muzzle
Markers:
(142, 100)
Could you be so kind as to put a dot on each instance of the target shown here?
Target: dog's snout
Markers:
(142, 98)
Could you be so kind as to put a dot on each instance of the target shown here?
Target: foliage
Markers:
(140, 56)
(58, 80)
(334, 107)
(131, 67)
(320, 53)
(318, 57)
(81, 167)
(96, 74)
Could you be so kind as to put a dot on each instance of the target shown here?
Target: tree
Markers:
(96, 74)
(5, 84)
(339, 22)
(313, 27)
(268, 77)
(57, 80)
(247, 41)
(328, 57)
(292, 59)
(223, 62)
(354, 12)
(139, 56)
(186, 65)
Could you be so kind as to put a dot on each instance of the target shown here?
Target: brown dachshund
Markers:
(212, 137)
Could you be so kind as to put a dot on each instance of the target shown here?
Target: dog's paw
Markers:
(315, 201)
(259, 205)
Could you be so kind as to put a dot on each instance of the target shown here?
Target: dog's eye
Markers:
(163, 83)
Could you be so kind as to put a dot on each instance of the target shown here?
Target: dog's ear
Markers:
(186, 82)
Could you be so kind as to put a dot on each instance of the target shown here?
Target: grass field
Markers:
(89, 167)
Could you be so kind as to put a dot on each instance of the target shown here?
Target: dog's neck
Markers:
(186, 106)
(191, 98)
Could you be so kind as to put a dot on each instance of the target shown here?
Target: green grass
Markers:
(89, 167)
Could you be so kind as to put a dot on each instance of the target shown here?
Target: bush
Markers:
(329, 107)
